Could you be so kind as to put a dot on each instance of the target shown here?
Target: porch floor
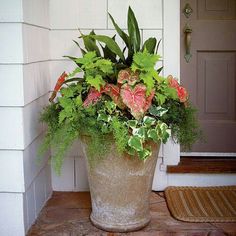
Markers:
(67, 214)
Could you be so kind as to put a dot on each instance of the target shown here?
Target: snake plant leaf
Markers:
(150, 45)
(159, 70)
(110, 43)
(133, 30)
(122, 34)
(158, 44)
(135, 142)
(107, 53)
(90, 44)
(81, 49)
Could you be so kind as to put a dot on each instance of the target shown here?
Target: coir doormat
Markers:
(202, 204)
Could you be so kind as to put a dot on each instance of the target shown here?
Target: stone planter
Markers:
(120, 189)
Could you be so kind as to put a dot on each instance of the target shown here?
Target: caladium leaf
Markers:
(133, 30)
(110, 43)
(127, 76)
(135, 142)
(92, 97)
(150, 45)
(135, 99)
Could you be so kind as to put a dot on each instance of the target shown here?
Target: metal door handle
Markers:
(188, 31)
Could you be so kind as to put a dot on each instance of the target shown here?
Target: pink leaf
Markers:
(182, 94)
(136, 99)
(92, 97)
(127, 76)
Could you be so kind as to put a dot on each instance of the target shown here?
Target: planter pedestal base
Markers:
(123, 228)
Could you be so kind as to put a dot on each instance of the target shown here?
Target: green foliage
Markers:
(101, 117)
(144, 62)
(111, 44)
(120, 133)
(183, 123)
(133, 30)
(150, 45)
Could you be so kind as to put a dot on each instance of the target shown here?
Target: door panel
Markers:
(216, 9)
(210, 75)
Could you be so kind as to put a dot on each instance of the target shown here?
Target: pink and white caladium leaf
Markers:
(110, 89)
(135, 99)
(127, 76)
(93, 96)
(114, 92)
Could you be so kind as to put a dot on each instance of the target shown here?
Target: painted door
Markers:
(210, 74)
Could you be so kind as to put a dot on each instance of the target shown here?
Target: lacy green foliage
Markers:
(120, 133)
(183, 123)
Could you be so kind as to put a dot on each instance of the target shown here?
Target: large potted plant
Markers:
(122, 109)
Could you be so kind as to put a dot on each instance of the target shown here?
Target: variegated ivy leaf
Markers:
(163, 131)
(110, 106)
(157, 111)
(135, 142)
(132, 123)
(152, 133)
(103, 117)
(140, 132)
(149, 121)
(144, 154)
(105, 128)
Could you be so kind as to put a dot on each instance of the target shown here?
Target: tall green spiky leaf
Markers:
(110, 43)
(108, 54)
(81, 49)
(150, 45)
(90, 44)
(158, 44)
(122, 34)
(133, 30)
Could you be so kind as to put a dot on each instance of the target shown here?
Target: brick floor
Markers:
(67, 214)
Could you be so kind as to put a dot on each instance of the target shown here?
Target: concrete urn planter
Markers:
(120, 188)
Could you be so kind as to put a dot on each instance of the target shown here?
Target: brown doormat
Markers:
(202, 204)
